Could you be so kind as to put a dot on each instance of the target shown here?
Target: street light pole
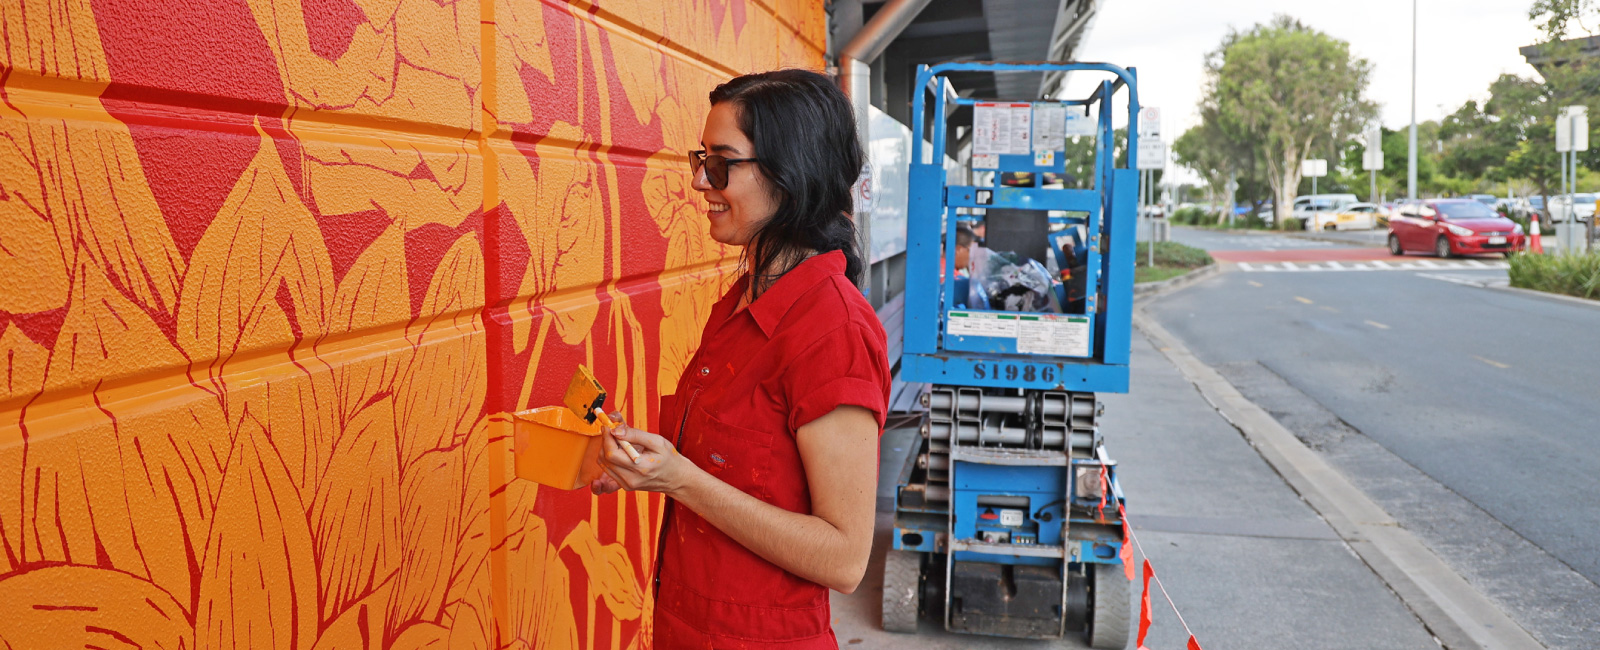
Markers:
(1411, 159)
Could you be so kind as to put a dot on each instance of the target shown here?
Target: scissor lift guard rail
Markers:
(1006, 518)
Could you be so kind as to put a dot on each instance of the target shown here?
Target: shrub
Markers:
(1192, 217)
(1293, 223)
(1172, 254)
(1250, 221)
(1574, 275)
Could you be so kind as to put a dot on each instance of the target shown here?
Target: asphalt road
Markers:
(1470, 413)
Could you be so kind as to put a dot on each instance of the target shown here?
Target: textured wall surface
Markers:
(273, 271)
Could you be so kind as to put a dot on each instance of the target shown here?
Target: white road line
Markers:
(1371, 265)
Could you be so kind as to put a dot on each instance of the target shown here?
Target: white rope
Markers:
(1124, 512)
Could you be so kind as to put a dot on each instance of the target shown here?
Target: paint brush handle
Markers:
(626, 447)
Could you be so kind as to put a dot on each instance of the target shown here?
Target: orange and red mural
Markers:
(272, 272)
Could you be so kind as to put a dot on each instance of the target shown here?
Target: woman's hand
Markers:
(660, 468)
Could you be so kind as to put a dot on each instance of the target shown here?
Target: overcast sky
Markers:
(1462, 45)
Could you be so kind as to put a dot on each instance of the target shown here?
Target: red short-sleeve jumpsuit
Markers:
(806, 346)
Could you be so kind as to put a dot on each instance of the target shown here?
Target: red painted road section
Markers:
(1302, 255)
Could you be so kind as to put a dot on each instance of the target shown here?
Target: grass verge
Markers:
(1143, 274)
(1172, 260)
(1573, 275)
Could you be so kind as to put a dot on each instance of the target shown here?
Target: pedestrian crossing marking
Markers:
(1370, 265)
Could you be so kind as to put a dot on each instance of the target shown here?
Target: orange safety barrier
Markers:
(1145, 617)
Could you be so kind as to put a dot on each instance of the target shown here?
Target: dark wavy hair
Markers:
(804, 131)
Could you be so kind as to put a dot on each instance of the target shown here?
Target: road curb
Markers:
(1457, 614)
(1592, 304)
(1148, 289)
(1336, 240)
(1299, 234)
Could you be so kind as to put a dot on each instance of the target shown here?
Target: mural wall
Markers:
(273, 271)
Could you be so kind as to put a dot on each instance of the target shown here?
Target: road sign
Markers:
(1314, 167)
(1152, 153)
(1572, 129)
(1372, 159)
(1149, 123)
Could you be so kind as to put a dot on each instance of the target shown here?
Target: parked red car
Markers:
(1447, 227)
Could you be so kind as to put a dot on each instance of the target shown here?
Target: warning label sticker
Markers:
(962, 323)
(1054, 335)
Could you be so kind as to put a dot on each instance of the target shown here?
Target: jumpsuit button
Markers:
(705, 370)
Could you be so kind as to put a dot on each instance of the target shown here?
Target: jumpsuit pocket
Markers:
(738, 456)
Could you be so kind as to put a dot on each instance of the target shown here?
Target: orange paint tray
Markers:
(556, 447)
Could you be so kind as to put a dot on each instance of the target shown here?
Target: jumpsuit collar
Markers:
(772, 306)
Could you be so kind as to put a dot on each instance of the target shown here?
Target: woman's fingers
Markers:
(606, 484)
(621, 482)
(644, 441)
(611, 453)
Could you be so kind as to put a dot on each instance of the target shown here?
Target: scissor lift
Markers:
(1007, 518)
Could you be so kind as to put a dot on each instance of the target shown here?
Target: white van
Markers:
(1304, 206)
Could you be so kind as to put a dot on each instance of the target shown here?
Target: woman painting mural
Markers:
(768, 447)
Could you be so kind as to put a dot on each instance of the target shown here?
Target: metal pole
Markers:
(1411, 158)
(1561, 241)
(1150, 248)
(1233, 193)
(1372, 196)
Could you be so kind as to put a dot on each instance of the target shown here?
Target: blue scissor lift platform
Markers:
(1007, 519)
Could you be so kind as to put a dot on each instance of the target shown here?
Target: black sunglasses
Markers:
(716, 167)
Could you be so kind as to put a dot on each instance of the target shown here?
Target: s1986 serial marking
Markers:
(1027, 372)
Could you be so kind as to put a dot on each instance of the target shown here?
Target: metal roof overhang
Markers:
(993, 30)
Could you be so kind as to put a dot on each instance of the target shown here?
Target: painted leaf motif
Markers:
(260, 276)
(122, 477)
(74, 188)
(359, 627)
(75, 607)
(440, 496)
(423, 636)
(610, 571)
(539, 605)
(447, 350)
(259, 584)
(355, 512)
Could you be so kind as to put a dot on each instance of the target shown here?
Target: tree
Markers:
(1570, 78)
(1208, 150)
(1291, 90)
(1200, 150)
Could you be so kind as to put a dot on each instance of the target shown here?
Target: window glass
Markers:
(1456, 211)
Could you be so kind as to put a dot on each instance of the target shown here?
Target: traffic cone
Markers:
(1535, 246)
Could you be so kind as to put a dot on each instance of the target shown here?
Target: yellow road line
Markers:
(1253, 283)
(1491, 362)
(1304, 300)
(1377, 324)
(1327, 308)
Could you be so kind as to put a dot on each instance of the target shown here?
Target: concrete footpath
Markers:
(1247, 561)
